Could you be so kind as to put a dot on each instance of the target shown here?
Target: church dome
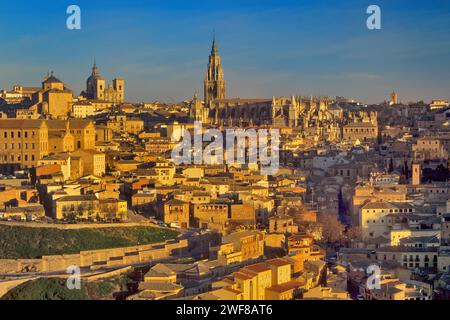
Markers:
(95, 74)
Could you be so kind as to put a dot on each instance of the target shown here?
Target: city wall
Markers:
(96, 259)
(77, 226)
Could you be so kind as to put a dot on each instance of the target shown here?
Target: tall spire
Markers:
(214, 46)
(214, 79)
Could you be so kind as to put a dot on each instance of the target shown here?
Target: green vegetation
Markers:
(46, 289)
(56, 289)
(31, 243)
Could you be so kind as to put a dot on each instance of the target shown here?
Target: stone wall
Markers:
(8, 285)
(95, 259)
(77, 226)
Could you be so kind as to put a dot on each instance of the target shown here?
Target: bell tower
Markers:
(214, 80)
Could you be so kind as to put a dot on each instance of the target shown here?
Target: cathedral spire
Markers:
(214, 84)
(214, 45)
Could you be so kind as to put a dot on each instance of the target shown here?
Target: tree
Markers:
(354, 233)
(341, 207)
(391, 166)
(406, 170)
(332, 229)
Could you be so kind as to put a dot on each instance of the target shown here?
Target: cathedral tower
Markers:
(119, 89)
(96, 88)
(214, 82)
(95, 85)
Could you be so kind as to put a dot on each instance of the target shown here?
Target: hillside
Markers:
(31, 243)
(56, 289)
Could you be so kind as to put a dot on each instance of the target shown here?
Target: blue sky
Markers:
(268, 48)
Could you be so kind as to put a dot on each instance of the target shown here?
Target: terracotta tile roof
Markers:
(259, 267)
(278, 262)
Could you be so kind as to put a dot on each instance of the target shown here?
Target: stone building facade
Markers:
(96, 88)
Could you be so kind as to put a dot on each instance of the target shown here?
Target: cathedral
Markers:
(219, 111)
(312, 116)
(96, 88)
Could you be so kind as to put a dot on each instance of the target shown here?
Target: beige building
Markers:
(54, 100)
(326, 293)
(432, 148)
(24, 143)
(75, 207)
(94, 163)
(63, 160)
(125, 124)
(239, 247)
(176, 212)
(282, 224)
(270, 280)
(82, 109)
(70, 135)
(379, 218)
(88, 207)
(212, 216)
(361, 131)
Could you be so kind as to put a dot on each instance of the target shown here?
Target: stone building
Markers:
(176, 212)
(70, 135)
(54, 100)
(96, 88)
(363, 126)
(24, 143)
(214, 84)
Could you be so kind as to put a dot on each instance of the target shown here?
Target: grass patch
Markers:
(32, 243)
